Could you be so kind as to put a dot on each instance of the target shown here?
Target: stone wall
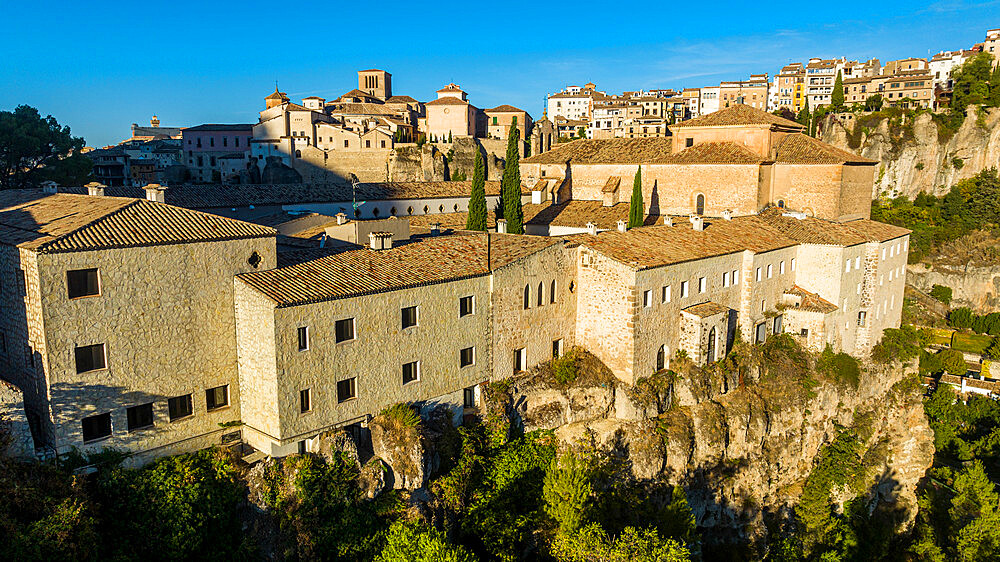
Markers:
(606, 311)
(14, 421)
(165, 316)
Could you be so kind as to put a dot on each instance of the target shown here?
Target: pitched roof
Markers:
(797, 148)
(69, 223)
(612, 184)
(716, 153)
(400, 99)
(505, 109)
(447, 100)
(706, 309)
(423, 261)
(577, 213)
(606, 151)
(811, 230)
(810, 302)
(243, 195)
(656, 246)
(735, 115)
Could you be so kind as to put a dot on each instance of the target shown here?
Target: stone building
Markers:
(738, 159)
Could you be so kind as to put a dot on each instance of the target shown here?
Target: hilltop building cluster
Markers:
(163, 319)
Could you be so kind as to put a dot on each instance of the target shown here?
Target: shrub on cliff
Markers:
(942, 293)
(633, 545)
(408, 541)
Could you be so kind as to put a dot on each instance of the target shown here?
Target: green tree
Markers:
(476, 219)
(33, 148)
(837, 98)
(414, 542)
(636, 210)
(942, 293)
(592, 543)
(974, 515)
(953, 361)
(994, 99)
(567, 491)
(874, 103)
(804, 114)
(971, 82)
(510, 185)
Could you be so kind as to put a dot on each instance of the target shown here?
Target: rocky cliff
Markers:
(919, 153)
(740, 440)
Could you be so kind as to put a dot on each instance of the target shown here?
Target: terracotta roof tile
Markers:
(706, 309)
(505, 109)
(606, 151)
(738, 114)
(798, 148)
(811, 230)
(810, 302)
(716, 153)
(423, 261)
(70, 223)
(577, 213)
(447, 100)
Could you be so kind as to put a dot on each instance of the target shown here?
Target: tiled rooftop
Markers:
(68, 223)
(706, 309)
(738, 114)
(811, 302)
(420, 262)
(578, 213)
(819, 231)
(606, 151)
(798, 148)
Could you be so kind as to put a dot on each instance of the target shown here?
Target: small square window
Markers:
(96, 427)
(83, 283)
(305, 400)
(345, 330)
(411, 372)
(217, 397)
(804, 332)
(180, 407)
(90, 358)
(303, 338)
(139, 417)
(409, 317)
(469, 397)
(467, 357)
(466, 306)
(684, 289)
(347, 389)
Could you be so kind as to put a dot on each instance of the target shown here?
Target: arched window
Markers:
(298, 154)
(700, 204)
(552, 292)
(541, 299)
(661, 358)
(426, 209)
(375, 212)
(781, 203)
(710, 355)
(392, 211)
(409, 210)
(527, 297)
(456, 207)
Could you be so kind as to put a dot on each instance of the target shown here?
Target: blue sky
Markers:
(100, 66)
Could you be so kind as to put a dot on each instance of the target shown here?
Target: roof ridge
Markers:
(45, 245)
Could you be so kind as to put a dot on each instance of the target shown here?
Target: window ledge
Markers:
(92, 371)
(185, 418)
(217, 409)
(96, 440)
(346, 400)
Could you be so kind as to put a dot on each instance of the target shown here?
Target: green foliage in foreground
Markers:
(592, 543)
(416, 542)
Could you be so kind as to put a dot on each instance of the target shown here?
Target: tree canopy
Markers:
(35, 148)
(636, 210)
(510, 185)
(476, 219)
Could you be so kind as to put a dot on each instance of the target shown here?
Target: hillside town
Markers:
(388, 329)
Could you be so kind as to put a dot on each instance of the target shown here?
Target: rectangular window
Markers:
(557, 348)
(344, 330)
(857, 262)
(781, 267)
(760, 332)
(368, 144)
(466, 306)
(217, 397)
(467, 357)
(83, 283)
(734, 277)
(647, 299)
(758, 274)
(305, 400)
(139, 417)
(684, 289)
(725, 279)
(792, 264)
(345, 143)
(411, 371)
(347, 389)
(180, 407)
(770, 271)
(96, 427)
(777, 324)
(847, 267)
(469, 397)
(861, 318)
(303, 338)
(520, 362)
(90, 358)
(665, 297)
(409, 317)
(702, 285)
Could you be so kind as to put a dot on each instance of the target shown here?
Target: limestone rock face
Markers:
(338, 441)
(275, 171)
(405, 450)
(372, 478)
(739, 451)
(922, 162)
(975, 287)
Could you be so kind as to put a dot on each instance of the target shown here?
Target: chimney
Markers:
(502, 226)
(697, 223)
(341, 218)
(154, 192)
(435, 229)
(668, 220)
(154, 122)
(49, 186)
(95, 189)
(591, 229)
(622, 227)
(380, 240)
(727, 215)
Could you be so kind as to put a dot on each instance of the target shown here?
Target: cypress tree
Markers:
(803, 117)
(635, 206)
(510, 185)
(477, 198)
(994, 99)
(837, 99)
